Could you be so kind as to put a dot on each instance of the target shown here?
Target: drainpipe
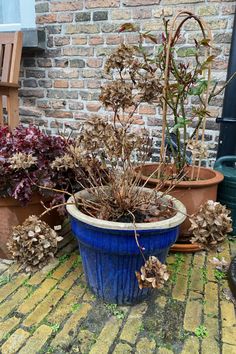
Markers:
(227, 138)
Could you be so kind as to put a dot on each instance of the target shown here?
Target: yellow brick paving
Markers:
(53, 311)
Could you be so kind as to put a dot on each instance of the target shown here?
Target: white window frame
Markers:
(27, 15)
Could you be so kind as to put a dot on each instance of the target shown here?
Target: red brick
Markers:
(63, 74)
(131, 38)
(43, 104)
(135, 120)
(76, 83)
(91, 73)
(45, 63)
(61, 84)
(142, 13)
(50, 18)
(220, 64)
(94, 63)
(82, 28)
(140, 2)
(92, 4)
(113, 39)
(93, 84)
(62, 40)
(66, 5)
(147, 109)
(64, 18)
(76, 105)
(93, 107)
(96, 40)
(121, 14)
(58, 104)
(80, 51)
(228, 9)
(56, 124)
(79, 40)
(59, 114)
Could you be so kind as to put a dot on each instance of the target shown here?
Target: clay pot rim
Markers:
(218, 177)
(10, 201)
(186, 247)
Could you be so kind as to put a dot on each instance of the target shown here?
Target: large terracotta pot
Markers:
(191, 193)
(12, 214)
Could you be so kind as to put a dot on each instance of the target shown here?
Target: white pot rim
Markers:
(176, 220)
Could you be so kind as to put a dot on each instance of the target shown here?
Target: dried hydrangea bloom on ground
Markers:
(210, 224)
(153, 274)
(33, 244)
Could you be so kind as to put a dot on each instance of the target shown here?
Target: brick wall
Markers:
(62, 84)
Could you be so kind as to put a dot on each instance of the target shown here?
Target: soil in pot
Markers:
(12, 214)
(191, 193)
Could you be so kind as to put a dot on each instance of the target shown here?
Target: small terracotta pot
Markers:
(191, 193)
(12, 214)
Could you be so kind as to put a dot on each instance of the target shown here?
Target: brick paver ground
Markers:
(54, 312)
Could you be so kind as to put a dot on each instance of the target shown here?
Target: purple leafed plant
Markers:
(26, 155)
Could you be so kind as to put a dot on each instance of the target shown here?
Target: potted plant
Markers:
(182, 147)
(26, 157)
(120, 226)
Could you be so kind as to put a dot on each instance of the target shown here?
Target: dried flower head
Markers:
(93, 134)
(197, 148)
(117, 95)
(111, 141)
(63, 163)
(121, 58)
(33, 244)
(150, 88)
(75, 150)
(153, 274)
(20, 160)
(210, 224)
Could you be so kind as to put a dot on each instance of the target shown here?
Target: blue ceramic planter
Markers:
(110, 255)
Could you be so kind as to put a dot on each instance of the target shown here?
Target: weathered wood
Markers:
(6, 63)
(13, 108)
(16, 55)
(10, 57)
(1, 112)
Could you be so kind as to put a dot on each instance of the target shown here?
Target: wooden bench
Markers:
(10, 57)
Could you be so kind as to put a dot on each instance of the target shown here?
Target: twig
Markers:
(53, 207)
(136, 236)
(54, 190)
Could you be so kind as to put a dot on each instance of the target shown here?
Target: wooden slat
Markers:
(6, 63)
(13, 108)
(1, 55)
(7, 38)
(1, 112)
(4, 91)
(8, 84)
(16, 58)
(10, 57)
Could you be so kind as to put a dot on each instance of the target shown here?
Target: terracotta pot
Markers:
(12, 214)
(191, 193)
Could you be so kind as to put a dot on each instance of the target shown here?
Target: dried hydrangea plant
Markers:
(33, 244)
(210, 224)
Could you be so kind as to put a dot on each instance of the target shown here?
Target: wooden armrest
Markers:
(7, 84)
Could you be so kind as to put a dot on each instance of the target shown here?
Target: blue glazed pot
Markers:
(110, 255)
